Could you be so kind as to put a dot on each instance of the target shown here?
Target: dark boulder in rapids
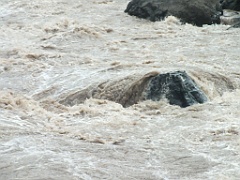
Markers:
(230, 4)
(179, 88)
(196, 12)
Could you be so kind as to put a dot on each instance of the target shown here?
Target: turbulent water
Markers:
(55, 52)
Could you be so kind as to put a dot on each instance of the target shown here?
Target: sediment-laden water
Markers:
(55, 53)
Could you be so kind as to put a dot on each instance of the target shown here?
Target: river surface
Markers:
(52, 50)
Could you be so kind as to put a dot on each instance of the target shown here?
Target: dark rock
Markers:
(230, 4)
(196, 12)
(179, 88)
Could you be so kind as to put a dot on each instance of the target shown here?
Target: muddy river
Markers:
(55, 52)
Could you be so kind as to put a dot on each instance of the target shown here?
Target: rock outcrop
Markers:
(196, 12)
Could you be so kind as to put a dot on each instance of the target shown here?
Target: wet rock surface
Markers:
(177, 87)
(230, 4)
(196, 12)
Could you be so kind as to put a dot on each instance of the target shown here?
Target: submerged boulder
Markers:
(196, 12)
(177, 87)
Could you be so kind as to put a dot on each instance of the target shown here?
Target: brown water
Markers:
(52, 50)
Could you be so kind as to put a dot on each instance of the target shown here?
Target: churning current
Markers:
(55, 52)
